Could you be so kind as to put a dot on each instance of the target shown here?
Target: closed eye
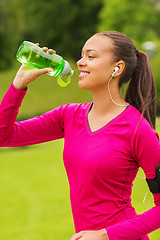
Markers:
(91, 56)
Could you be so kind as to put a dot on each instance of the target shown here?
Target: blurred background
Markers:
(34, 194)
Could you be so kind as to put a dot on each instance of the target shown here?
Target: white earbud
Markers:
(121, 105)
(115, 70)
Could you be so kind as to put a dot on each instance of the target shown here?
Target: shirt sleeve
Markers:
(47, 127)
(145, 148)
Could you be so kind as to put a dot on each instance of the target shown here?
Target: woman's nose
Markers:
(81, 62)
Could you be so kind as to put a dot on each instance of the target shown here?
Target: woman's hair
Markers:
(141, 91)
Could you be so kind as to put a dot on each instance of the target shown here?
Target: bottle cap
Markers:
(66, 70)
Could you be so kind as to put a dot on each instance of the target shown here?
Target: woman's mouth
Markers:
(84, 73)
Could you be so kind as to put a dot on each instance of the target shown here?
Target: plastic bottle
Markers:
(32, 55)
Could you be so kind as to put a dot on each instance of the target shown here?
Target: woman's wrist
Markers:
(20, 85)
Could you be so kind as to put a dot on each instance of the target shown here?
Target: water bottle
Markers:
(34, 56)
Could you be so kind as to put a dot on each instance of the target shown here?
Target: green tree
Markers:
(139, 19)
(60, 24)
(4, 38)
(11, 26)
(63, 25)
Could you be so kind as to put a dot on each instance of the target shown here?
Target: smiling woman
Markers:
(97, 62)
(106, 140)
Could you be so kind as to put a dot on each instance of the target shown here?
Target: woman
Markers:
(106, 141)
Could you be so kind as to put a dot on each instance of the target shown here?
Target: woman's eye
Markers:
(90, 56)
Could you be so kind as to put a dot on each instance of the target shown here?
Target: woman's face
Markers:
(96, 64)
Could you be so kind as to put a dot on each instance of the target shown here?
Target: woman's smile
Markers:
(83, 73)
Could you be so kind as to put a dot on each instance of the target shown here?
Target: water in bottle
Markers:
(32, 55)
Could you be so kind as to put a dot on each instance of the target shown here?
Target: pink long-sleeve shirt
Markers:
(100, 165)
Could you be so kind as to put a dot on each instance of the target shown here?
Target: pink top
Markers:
(100, 165)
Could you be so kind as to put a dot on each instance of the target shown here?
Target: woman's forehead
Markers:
(98, 43)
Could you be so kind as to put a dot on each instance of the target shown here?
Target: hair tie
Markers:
(136, 52)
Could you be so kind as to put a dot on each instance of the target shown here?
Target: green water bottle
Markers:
(34, 56)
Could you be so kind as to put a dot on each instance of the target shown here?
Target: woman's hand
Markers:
(27, 74)
(91, 235)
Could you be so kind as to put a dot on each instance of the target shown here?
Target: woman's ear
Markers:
(119, 68)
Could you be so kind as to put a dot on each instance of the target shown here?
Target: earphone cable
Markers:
(120, 105)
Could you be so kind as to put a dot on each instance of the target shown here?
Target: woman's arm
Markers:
(43, 128)
(46, 127)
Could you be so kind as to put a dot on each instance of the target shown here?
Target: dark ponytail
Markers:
(141, 91)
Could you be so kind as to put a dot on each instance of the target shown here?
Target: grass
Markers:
(34, 195)
(34, 192)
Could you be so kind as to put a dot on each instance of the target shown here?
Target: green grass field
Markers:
(34, 192)
(34, 196)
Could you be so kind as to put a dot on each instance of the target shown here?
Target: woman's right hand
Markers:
(27, 74)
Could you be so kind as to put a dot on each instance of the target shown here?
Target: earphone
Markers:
(115, 70)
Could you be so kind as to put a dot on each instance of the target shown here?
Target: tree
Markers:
(63, 25)
(139, 19)
(60, 24)
(4, 39)
(11, 26)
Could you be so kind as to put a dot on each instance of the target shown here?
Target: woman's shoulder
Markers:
(138, 124)
(134, 117)
(74, 108)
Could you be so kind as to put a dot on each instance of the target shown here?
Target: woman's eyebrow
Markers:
(89, 50)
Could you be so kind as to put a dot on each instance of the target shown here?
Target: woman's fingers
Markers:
(51, 50)
(78, 235)
(43, 71)
(46, 49)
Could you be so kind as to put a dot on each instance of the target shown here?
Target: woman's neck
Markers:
(103, 104)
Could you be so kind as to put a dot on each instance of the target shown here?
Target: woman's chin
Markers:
(82, 85)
